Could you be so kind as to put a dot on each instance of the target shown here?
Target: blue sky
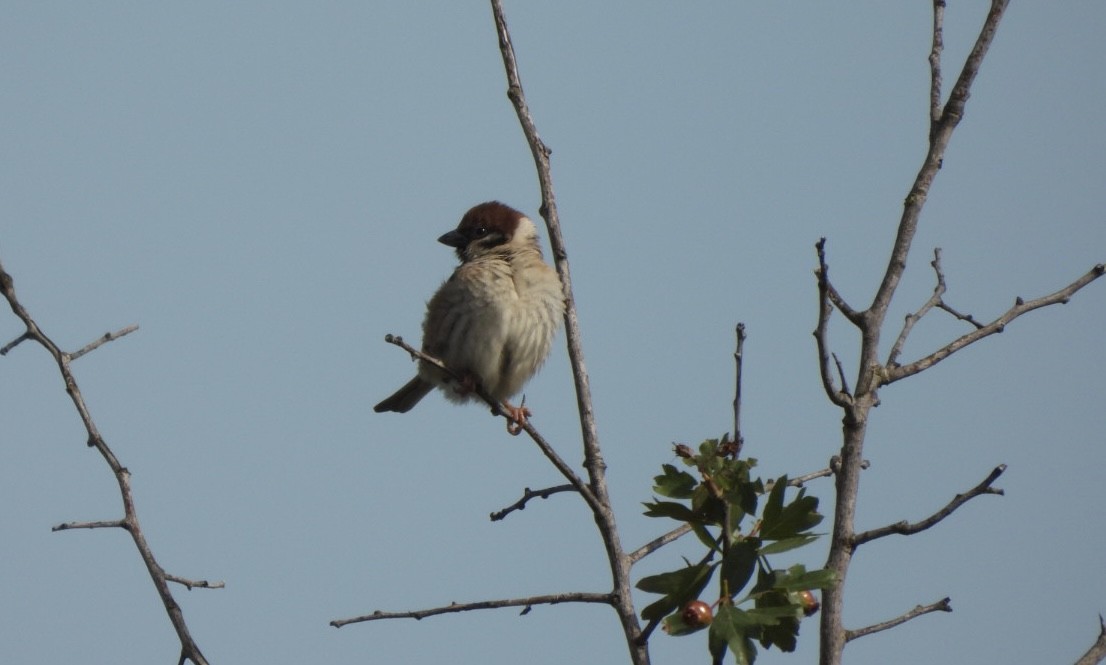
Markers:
(259, 186)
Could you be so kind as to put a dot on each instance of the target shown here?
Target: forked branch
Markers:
(1019, 308)
(189, 649)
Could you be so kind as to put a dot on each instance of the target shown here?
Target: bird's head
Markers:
(489, 228)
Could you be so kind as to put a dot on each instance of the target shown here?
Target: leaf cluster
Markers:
(720, 503)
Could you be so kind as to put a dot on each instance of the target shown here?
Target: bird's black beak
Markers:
(454, 239)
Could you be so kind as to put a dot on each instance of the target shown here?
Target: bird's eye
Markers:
(480, 231)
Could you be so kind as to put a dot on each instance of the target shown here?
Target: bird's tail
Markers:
(404, 399)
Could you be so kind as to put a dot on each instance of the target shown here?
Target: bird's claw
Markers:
(518, 416)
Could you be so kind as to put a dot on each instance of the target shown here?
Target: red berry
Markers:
(809, 602)
(697, 613)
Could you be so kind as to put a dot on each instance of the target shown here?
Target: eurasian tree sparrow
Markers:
(494, 319)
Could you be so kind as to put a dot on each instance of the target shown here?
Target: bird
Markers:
(492, 322)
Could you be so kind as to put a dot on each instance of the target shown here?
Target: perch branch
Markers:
(528, 494)
(497, 409)
(906, 528)
(526, 603)
(940, 606)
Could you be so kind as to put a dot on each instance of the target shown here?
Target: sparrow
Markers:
(493, 321)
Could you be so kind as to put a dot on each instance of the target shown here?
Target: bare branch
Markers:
(905, 528)
(911, 319)
(739, 360)
(998, 325)
(622, 591)
(118, 524)
(940, 606)
(841, 374)
(658, 542)
(189, 649)
(107, 337)
(799, 481)
(528, 494)
(1097, 653)
(527, 603)
(14, 343)
(940, 133)
(935, 66)
(963, 317)
(821, 333)
(195, 584)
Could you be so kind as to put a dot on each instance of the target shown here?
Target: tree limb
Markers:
(906, 528)
(527, 603)
(940, 606)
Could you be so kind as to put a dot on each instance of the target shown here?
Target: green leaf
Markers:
(730, 628)
(674, 483)
(676, 511)
(791, 520)
(739, 563)
(797, 578)
(679, 586)
(782, 629)
(774, 506)
(788, 544)
(704, 536)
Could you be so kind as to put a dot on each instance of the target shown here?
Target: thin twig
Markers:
(528, 494)
(942, 605)
(906, 528)
(912, 319)
(1097, 653)
(963, 317)
(107, 337)
(117, 524)
(821, 331)
(799, 481)
(551, 599)
(14, 343)
(739, 360)
(998, 325)
(658, 542)
(195, 584)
